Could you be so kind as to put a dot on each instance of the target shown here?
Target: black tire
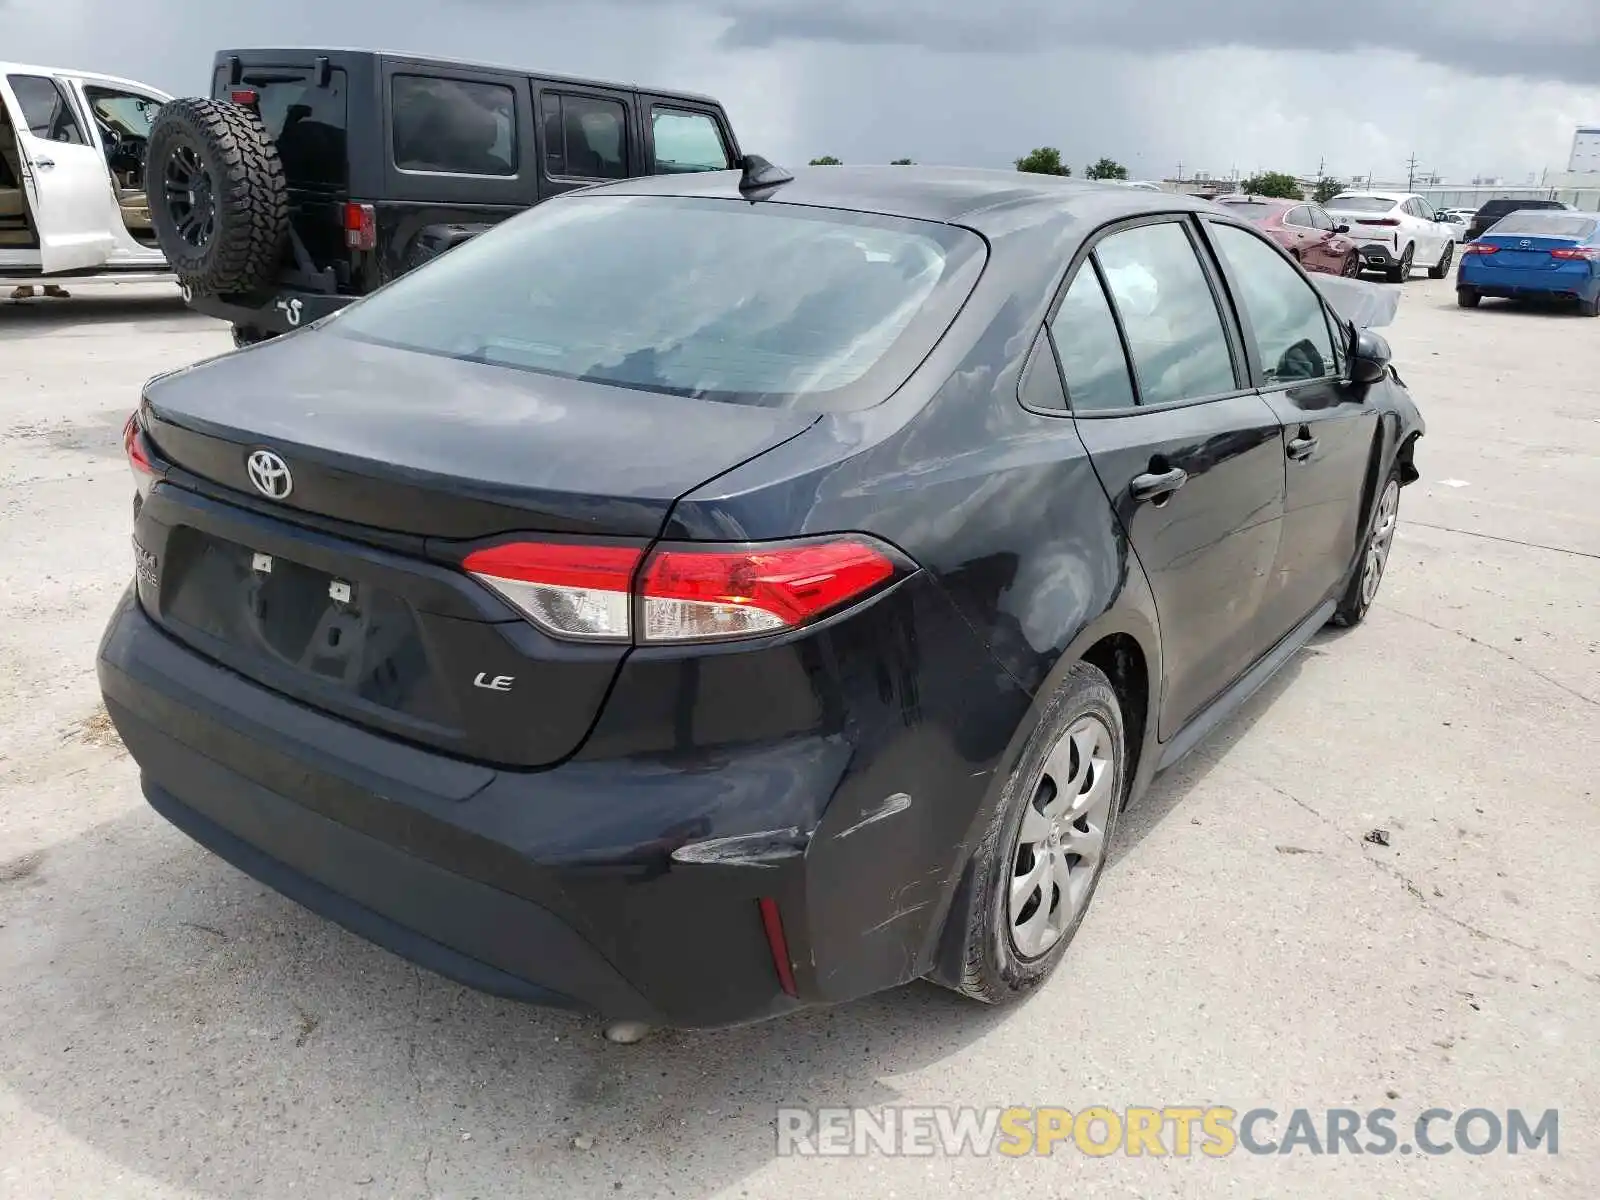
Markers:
(1467, 297)
(219, 201)
(1442, 268)
(1589, 308)
(1352, 265)
(1401, 271)
(1358, 597)
(995, 971)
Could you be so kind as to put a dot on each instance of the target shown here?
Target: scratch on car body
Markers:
(896, 803)
(897, 914)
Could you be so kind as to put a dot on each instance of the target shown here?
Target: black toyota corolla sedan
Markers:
(706, 596)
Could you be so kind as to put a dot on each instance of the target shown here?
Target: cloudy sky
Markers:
(1469, 86)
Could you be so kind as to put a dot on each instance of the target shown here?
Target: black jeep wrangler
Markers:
(311, 177)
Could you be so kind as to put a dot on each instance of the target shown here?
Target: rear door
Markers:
(64, 176)
(587, 135)
(1190, 456)
(682, 137)
(1329, 422)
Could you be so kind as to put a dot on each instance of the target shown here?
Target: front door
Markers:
(64, 176)
(1190, 457)
(1329, 423)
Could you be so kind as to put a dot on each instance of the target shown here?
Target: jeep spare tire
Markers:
(218, 199)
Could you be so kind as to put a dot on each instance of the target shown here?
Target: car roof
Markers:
(1396, 197)
(412, 56)
(13, 68)
(993, 202)
(1272, 201)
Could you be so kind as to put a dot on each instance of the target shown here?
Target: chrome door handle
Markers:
(44, 164)
(1302, 448)
(1157, 485)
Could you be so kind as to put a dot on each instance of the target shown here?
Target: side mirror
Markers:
(1341, 229)
(1369, 361)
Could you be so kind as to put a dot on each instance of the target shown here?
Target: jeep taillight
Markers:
(360, 226)
(684, 592)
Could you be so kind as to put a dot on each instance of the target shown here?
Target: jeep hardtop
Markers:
(310, 177)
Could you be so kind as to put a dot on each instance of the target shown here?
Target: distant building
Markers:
(1585, 158)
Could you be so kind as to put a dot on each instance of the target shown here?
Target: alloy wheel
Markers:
(191, 197)
(1063, 838)
(1377, 555)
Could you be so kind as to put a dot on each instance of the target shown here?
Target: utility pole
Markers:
(1180, 170)
(1411, 173)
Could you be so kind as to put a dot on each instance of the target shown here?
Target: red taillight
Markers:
(249, 97)
(138, 452)
(691, 594)
(1569, 253)
(571, 589)
(772, 922)
(686, 592)
(1479, 248)
(360, 226)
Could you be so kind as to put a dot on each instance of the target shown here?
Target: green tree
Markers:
(827, 160)
(1326, 190)
(1273, 183)
(904, 162)
(1106, 168)
(1046, 160)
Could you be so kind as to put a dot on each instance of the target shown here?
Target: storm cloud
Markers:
(1356, 86)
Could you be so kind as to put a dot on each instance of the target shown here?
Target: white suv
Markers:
(1395, 232)
(72, 187)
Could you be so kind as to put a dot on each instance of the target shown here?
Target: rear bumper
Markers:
(283, 312)
(630, 886)
(1378, 254)
(1575, 282)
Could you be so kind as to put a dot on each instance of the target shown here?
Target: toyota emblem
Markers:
(270, 474)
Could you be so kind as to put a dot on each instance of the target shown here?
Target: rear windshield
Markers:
(764, 304)
(1361, 204)
(1250, 210)
(307, 121)
(1545, 224)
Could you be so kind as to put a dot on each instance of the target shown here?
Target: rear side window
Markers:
(1300, 216)
(1175, 333)
(585, 136)
(45, 109)
(454, 126)
(1287, 320)
(305, 120)
(765, 305)
(1090, 348)
(686, 141)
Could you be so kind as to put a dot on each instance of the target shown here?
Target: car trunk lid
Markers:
(345, 591)
(1518, 252)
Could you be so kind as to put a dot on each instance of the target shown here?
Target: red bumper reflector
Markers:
(772, 922)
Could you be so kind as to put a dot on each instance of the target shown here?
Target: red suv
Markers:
(1313, 239)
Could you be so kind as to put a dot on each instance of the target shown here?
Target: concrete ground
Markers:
(169, 1028)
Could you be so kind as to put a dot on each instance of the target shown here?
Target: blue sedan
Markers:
(1534, 253)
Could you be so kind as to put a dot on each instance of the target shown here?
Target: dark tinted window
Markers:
(1320, 218)
(45, 109)
(1299, 216)
(1287, 321)
(306, 121)
(761, 304)
(585, 136)
(454, 127)
(1499, 208)
(1086, 338)
(686, 141)
(1175, 333)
